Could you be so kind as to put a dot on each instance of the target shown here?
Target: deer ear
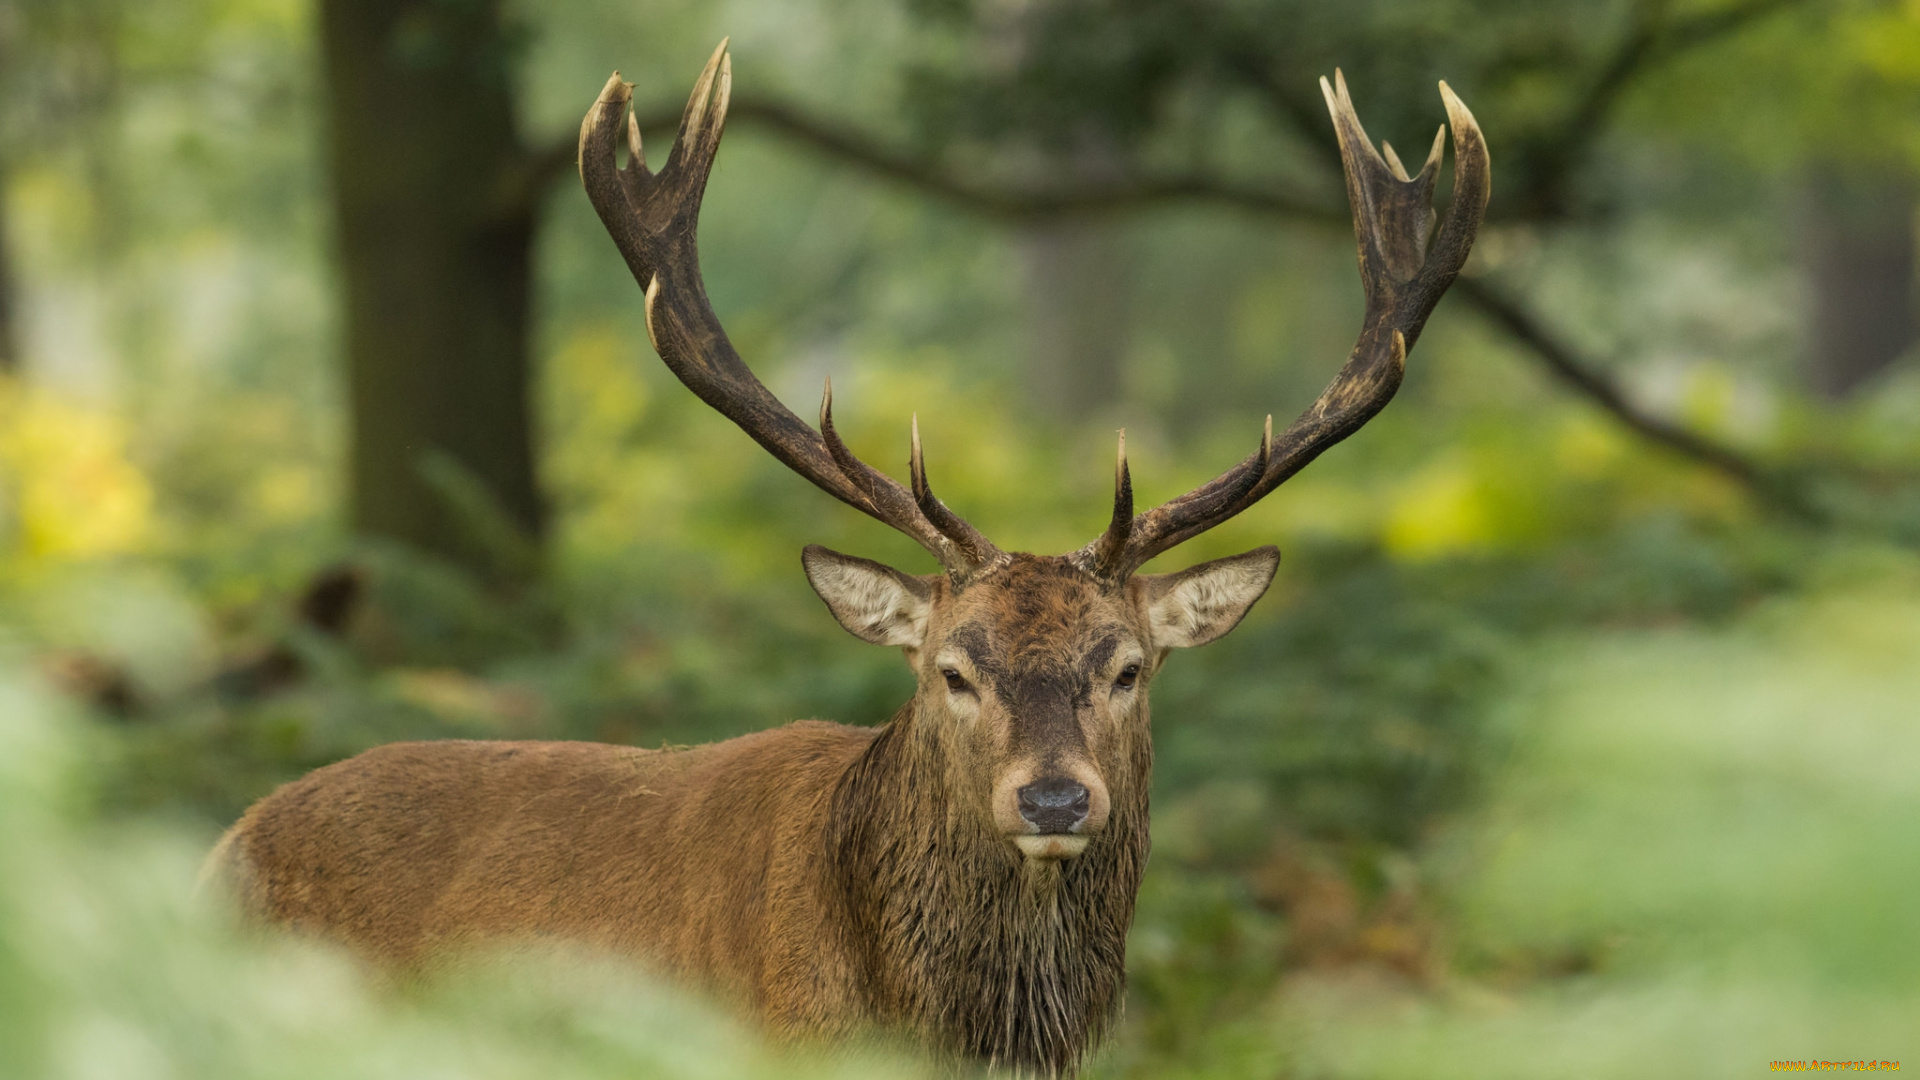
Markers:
(1203, 602)
(873, 601)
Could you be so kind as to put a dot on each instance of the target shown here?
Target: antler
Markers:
(1404, 277)
(653, 218)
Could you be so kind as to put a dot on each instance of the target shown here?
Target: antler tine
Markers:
(1122, 524)
(1405, 267)
(850, 466)
(1103, 554)
(977, 549)
(653, 219)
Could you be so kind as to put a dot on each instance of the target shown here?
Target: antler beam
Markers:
(653, 218)
(1404, 267)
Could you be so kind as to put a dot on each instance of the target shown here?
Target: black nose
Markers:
(1055, 804)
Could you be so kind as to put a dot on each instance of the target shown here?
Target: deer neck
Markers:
(959, 937)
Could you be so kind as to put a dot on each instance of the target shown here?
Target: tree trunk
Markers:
(1857, 249)
(9, 308)
(1078, 290)
(1077, 284)
(434, 243)
(10, 30)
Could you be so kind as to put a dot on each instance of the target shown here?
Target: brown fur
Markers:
(829, 879)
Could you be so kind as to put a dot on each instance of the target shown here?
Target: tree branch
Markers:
(9, 289)
(9, 321)
(929, 177)
(1648, 43)
(1585, 378)
(1666, 42)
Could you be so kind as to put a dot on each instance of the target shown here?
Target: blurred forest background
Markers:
(1578, 736)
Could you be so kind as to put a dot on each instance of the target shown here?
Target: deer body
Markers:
(415, 851)
(965, 873)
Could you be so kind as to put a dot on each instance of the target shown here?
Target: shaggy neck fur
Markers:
(1019, 965)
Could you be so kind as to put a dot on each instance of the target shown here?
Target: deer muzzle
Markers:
(1056, 804)
(1052, 815)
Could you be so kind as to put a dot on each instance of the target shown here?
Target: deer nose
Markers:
(1055, 804)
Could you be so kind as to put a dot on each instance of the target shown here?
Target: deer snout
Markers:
(1055, 804)
(1051, 811)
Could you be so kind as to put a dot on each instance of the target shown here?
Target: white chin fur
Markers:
(1050, 846)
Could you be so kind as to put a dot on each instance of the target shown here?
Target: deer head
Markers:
(1034, 670)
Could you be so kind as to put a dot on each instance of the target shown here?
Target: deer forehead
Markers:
(1037, 626)
(1037, 613)
(1038, 660)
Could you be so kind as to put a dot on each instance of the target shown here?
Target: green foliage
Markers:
(1229, 88)
(1543, 742)
(1691, 858)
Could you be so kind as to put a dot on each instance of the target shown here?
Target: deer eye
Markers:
(954, 682)
(1128, 676)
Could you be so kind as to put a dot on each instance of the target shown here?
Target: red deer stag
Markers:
(964, 873)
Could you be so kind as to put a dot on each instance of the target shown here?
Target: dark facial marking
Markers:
(1045, 705)
(1097, 657)
(972, 640)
